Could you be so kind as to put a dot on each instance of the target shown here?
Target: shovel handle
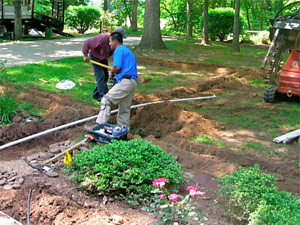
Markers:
(101, 64)
(88, 137)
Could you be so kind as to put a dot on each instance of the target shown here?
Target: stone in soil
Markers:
(17, 119)
(2, 171)
(3, 181)
(38, 180)
(7, 187)
(12, 179)
(21, 180)
(16, 186)
(52, 174)
(55, 148)
(33, 157)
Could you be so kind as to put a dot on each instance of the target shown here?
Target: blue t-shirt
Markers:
(124, 59)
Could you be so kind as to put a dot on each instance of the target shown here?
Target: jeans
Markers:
(101, 77)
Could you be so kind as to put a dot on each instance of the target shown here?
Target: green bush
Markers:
(244, 189)
(252, 197)
(124, 169)
(221, 21)
(8, 107)
(280, 208)
(82, 18)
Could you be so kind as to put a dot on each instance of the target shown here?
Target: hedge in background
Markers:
(82, 18)
(124, 169)
(252, 198)
(221, 21)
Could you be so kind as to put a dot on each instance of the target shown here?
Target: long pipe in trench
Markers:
(94, 117)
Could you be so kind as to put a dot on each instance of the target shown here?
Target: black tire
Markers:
(271, 94)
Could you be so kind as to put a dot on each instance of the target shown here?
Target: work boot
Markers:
(91, 127)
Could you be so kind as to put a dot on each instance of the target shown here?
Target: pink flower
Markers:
(175, 223)
(173, 197)
(161, 182)
(188, 188)
(161, 196)
(193, 190)
(200, 194)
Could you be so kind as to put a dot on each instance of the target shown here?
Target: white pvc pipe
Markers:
(94, 117)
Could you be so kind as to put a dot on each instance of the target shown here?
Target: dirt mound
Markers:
(59, 210)
(170, 119)
(60, 109)
(61, 115)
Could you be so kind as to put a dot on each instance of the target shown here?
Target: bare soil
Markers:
(56, 201)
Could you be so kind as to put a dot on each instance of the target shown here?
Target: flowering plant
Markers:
(175, 209)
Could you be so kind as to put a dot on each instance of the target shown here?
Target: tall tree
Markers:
(105, 5)
(236, 28)
(151, 37)
(133, 25)
(189, 27)
(205, 24)
(18, 20)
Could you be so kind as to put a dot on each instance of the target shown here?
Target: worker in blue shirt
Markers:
(125, 72)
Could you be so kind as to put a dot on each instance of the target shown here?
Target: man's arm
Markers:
(115, 70)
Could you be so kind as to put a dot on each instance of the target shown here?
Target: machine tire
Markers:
(271, 94)
(3, 29)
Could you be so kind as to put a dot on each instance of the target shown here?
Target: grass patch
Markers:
(254, 146)
(205, 139)
(76, 70)
(193, 51)
(8, 107)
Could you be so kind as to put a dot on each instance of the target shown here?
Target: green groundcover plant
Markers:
(124, 169)
(252, 198)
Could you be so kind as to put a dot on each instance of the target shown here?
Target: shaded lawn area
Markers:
(217, 53)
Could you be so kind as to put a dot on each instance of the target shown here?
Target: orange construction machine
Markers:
(285, 36)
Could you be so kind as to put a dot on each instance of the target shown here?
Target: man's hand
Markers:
(86, 59)
(141, 80)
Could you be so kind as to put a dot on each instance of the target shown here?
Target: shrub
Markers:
(244, 189)
(82, 18)
(124, 169)
(252, 196)
(221, 21)
(280, 208)
(8, 107)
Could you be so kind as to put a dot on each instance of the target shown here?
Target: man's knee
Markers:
(105, 102)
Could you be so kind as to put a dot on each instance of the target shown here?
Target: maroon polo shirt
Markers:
(98, 47)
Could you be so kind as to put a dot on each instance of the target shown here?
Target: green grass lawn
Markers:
(76, 70)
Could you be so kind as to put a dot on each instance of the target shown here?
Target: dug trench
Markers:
(170, 126)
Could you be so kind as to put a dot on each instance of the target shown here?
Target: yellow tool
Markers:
(67, 158)
(101, 64)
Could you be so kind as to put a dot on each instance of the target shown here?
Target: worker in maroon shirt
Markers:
(98, 49)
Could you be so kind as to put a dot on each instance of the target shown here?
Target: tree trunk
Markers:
(134, 16)
(262, 15)
(236, 29)
(189, 27)
(18, 20)
(151, 37)
(205, 24)
(247, 13)
(105, 5)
